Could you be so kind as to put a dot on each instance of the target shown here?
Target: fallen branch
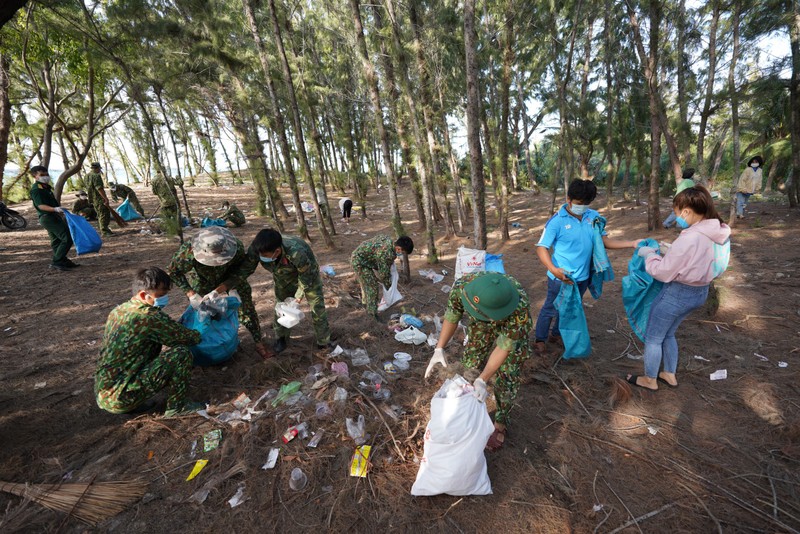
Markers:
(571, 392)
(713, 518)
(635, 520)
(394, 440)
(748, 317)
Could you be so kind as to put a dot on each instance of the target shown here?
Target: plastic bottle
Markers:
(340, 395)
(355, 429)
(298, 480)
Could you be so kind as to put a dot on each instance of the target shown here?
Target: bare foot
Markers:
(643, 382)
(669, 378)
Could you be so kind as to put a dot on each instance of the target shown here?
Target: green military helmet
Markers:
(214, 246)
(490, 297)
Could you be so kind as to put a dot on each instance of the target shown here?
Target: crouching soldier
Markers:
(83, 208)
(232, 214)
(132, 367)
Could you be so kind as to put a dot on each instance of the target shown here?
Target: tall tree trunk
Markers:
(421, 154)
(794, 95)
(684, 130)
(375, 97)
(587, 150)
(611, 172)
(427, 115)
(653, 212)
(505, 90)
(651, 77)
(276, 115)
(453, 164)
(5, 114)
(734, 96)
(474, 126)
(706, 112)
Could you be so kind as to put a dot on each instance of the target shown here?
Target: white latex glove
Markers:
(438, 357)
(58, 210)
(196, 300)
(644, 252)
(480, 389)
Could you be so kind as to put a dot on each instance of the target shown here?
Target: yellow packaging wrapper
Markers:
(198, 466)
(360, 463)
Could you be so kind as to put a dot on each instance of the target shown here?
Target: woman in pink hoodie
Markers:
(699, 255)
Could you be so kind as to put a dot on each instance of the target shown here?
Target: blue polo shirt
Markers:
(572, 241)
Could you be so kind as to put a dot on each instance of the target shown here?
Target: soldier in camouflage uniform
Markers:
(500, 322)
(119, 191)
(164, 188)
(216, 261)
(232, 214)
(132, 367)
(296, 274)
(98, 198)
(83, 208)
(51, 218)
(377, 255)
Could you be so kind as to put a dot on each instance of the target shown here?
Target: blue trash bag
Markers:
(84, 236)
(639, 290)
(185, 222)
(208, 221)
(219, 338)
(572, 322)
(127, 212)
(494, 263)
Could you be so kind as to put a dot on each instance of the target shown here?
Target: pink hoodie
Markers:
(690, 258)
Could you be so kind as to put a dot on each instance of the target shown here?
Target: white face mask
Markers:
(754, 165)
(43, 178)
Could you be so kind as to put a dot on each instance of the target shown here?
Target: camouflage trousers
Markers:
(316, 300)
(248, 316)
(506, 380)
(134, 201)
(370, 289)
(103, 215)
(172, 369)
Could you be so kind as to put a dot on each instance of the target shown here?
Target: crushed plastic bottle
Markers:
(212, 308)
(355, 429)
(340, 395)
(298, 480)
(359, 357)
(322, 409)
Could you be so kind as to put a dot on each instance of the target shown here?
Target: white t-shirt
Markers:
(341, 203)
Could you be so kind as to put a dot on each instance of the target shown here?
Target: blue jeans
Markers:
(548, 311)
(669, 309)
(741, 202)
(669, 222)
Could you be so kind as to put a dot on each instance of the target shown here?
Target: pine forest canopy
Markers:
(346, 96)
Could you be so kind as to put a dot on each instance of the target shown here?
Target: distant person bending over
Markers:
(699, 255)
(500, 322)
(215, 260)
(164, 188)
(345, 206)
(749, 183)
(133, 367)
(686, 183)
(51, 218)
(295, 273)
(82, 207)
(372, 262)
(98, 198)
(126, 193)
(570, 235)
(232, 214)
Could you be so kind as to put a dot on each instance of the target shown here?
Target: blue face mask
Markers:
(681, 222)
(266, 260)
(161, 302)
(399, 254)
(578, 209)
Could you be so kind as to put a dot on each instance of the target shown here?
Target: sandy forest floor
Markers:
(584, 453)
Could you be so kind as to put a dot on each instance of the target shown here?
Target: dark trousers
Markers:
(60, 239)
(347, 208)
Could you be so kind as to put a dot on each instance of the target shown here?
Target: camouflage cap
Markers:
(214, 246)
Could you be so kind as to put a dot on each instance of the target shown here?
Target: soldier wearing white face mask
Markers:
(51, 218)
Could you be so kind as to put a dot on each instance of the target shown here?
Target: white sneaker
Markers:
(411, 335)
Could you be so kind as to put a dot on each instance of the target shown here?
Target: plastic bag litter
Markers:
(391, 295)
(355, 429)
(459, 427)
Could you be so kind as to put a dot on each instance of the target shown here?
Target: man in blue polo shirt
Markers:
(569, 233)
